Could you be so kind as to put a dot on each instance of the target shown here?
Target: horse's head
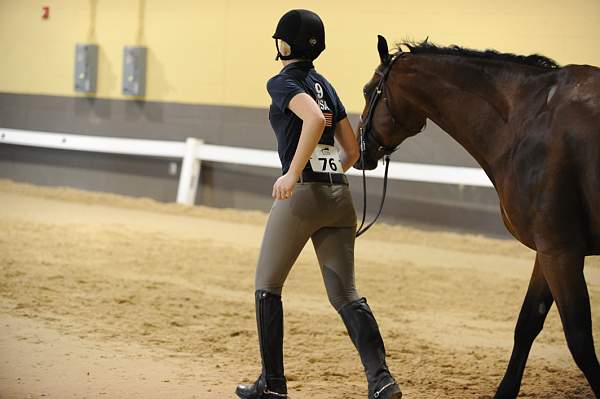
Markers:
(388, 118)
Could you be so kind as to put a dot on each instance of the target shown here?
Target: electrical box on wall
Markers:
(134, 70)
(86, 67)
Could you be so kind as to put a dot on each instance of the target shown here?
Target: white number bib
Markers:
(325, 159)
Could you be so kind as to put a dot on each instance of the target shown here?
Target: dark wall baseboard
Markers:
(226, 125)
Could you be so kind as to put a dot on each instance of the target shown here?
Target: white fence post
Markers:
(190, 173)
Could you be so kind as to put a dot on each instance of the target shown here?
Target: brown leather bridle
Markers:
(367, 138)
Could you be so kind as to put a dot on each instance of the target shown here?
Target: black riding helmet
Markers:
(303, 30)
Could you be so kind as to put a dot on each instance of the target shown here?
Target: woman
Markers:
(312, 200)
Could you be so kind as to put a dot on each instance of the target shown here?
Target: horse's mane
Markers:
(425, 47)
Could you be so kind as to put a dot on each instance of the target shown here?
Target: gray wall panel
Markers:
(236, 126)
(464, 208)
(134, 176)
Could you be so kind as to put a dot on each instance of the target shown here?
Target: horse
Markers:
(534, 128)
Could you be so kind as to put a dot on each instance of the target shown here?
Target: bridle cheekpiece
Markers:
(367, 138)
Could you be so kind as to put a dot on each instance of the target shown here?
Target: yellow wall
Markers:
(221, 51)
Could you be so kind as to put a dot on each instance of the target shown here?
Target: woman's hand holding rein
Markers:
(346, 140)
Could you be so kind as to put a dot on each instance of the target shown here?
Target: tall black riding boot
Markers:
(271, 384)
(364, 332)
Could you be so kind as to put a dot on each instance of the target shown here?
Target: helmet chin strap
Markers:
(281, 56)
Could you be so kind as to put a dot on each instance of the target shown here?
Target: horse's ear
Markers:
(382, 48)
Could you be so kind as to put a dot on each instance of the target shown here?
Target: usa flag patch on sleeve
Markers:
(328, 119)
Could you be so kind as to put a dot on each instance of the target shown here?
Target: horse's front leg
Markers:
(564, 274)
(538, 301)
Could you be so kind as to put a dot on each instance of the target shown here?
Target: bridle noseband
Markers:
(367, 138)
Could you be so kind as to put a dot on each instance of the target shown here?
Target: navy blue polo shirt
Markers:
(295, 78)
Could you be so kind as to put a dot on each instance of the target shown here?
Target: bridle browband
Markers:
(367, 137)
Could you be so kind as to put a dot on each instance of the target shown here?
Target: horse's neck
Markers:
(469, 104)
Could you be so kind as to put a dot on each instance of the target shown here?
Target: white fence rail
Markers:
(193, 151)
